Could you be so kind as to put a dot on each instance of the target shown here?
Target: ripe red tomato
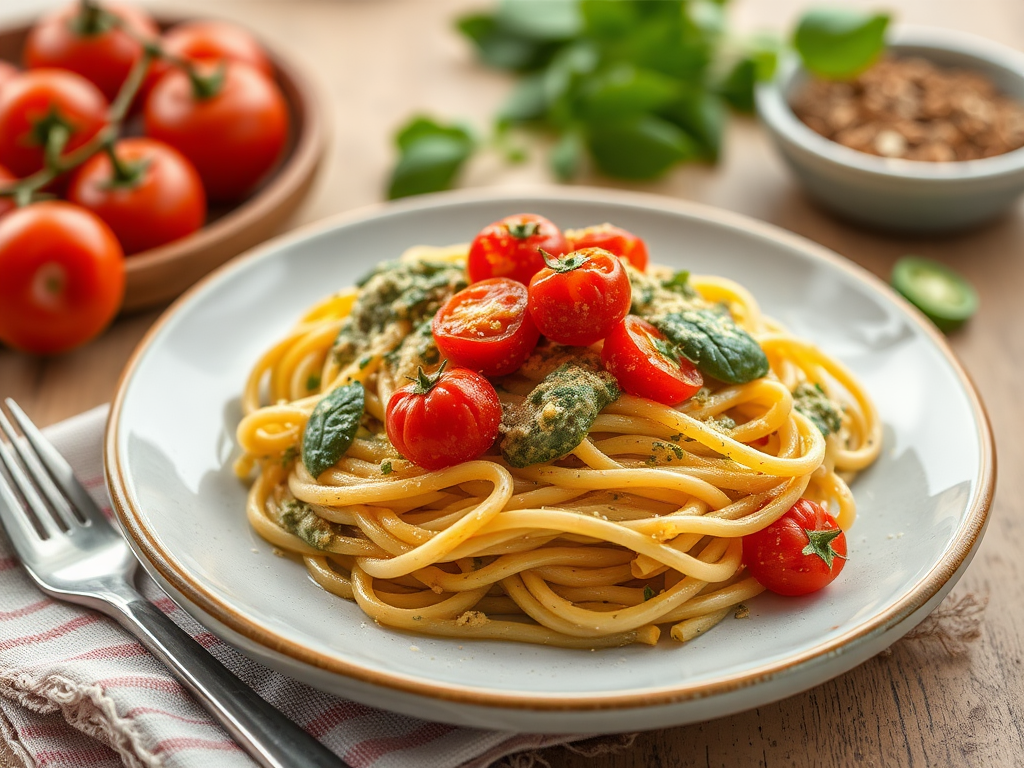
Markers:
(444, 419)
(801, 552)
(164, 202)
(90, 43)
(509, 248)
(486, 327)
(208, 41)
(580, 297)
(643, 361)
(232, 137)
(63, 277)
(7, 71)
(6, 178)
(32, 102)
(611, 238)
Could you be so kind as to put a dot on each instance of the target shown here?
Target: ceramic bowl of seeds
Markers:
(930, 138)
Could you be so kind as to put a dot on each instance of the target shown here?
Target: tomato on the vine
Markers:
(444, 419)
(511, 248)
(63, 277)
(33, 103)
(577, 299)
(646, 365)
(486, 327)
(801, 552)
(233, 134)
(614, 239)
(89, 40)
(156, 196)
(209, 41)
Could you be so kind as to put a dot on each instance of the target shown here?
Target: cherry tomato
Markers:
(208, 41)
(643, 361)
(233, 137)
(613, 239)
(89, 42)
(63, 277)
(32, 102)
(509, 248)
(444, 419)
(164, 202)
(580, 297)
(7, 71)
(486, 327)
(6, 179)
(801, 552)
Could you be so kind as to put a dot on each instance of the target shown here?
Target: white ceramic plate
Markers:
(923, 505)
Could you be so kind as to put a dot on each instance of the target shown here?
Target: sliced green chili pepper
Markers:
(944, 296)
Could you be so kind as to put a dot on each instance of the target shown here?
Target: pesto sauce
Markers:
(812, 402)
(298, 518)
(556, 416)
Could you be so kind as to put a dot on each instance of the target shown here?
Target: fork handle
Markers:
(269, 737)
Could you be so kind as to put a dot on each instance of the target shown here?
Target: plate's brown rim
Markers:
(966, 537)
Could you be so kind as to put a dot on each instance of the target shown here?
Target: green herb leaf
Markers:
(526, 103)
(625, 91)
(551, 20)
(332, 427)
(648, 592)
(386, 468)
(839, 43)
(702, 115)
(431, 155)
(566, 156)
(680, 283)
(813, 403)
(644, 148)
(715, 344)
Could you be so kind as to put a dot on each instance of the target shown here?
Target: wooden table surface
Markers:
(380, 60)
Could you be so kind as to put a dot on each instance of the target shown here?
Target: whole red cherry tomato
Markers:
(486, 327)
(444, 419)
(233, 135)
(7, 71)
(577, 299)
(801, 552)
(33, 102)
(156, 198)
(509, 248)
(611, 238)
(6, 179)
(89, 40)
(63, 277)
(643, 361)
(209, 41)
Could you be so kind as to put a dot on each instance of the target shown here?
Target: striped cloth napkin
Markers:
(76, 690)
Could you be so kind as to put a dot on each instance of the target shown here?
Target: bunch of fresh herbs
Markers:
(635, 85)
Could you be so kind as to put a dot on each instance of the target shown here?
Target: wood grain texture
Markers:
(380, 60)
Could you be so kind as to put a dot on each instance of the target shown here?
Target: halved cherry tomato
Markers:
(801, 552)
(160, 200)
(611, 238)
(444, 419)
(643, 361)
(33, 102)
(486, 327)
(87, 40)
(209, 41)
(233, 136)
(63, 277)
(577, 299)
(510, 248)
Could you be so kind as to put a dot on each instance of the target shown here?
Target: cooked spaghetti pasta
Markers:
(637, 529)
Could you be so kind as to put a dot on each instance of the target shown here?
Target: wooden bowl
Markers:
(160, 274)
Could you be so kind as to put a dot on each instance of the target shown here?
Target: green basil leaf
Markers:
(839, 43)
(566, 156)
(431, 156)
(332, 427)
(550, 20)
(643, 148)
(527, 102)
(713, 342)
(626, 91)
(501, 48)
(605, 20)
(702, 115)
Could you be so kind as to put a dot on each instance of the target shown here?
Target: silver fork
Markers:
(73, 553)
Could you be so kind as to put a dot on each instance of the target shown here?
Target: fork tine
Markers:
(39, 475)
(28, 493)
(19, 528)
(58, 466)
